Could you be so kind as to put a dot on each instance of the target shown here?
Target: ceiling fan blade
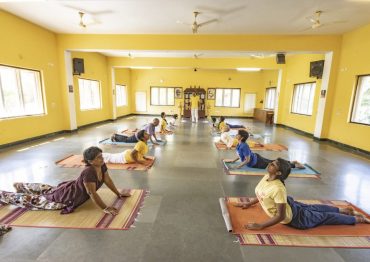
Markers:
(208, 22)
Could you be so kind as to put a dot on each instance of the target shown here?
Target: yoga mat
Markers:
(76, 161)
(308, 172)
(86, 216)
(350, 236)
(257, 147)
(108, 141)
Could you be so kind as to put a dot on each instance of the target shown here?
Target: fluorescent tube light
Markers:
(141, 67)
(248, 69)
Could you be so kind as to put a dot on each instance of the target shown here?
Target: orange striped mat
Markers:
(76, 161)
(86, 216)
(357, 236)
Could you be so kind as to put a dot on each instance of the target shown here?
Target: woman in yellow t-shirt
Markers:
(281, 208)
(163, 123)
(137, 155)
(222, 124)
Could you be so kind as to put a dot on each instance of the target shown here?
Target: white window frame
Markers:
(161, 98)
(361, 115)
(90, 102)
(270, 97)
(227, 102)
(22, 110)
(301, 104)
(121, 95)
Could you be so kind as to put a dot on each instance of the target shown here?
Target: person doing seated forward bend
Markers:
(272, 195)
(231, 142)
(222, 124)
(129, 156)
(67, 195)
(254, 160)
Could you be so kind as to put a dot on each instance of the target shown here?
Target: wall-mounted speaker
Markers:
(317, 68)
(280, 58)
(78, 66)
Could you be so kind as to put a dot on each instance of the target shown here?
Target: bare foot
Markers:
(347, 211)
(298, 165)
(362, 220)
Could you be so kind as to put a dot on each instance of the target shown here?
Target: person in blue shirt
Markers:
(254, 160)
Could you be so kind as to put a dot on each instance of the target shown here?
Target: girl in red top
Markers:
(70, 194)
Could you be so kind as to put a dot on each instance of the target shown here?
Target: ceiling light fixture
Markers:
(141, 67)
(248, 69)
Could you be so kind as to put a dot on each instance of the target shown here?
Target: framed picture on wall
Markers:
(211, 93)
(178, 92)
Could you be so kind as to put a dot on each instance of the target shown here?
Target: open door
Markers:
(249, 103)
(140, 101)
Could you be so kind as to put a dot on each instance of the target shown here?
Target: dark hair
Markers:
(155, 119)
(90, 154)
(140, 135)
(284, 168)
(162, 114)
(214, 119)
(222, 119)
(175, 116)
(244, 134)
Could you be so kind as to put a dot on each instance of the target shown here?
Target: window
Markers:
(361, 105)
(121, 95)
(20, 92)
(303, 96)
(270, 98)
(227, 97)
(162, 96)
(89, 94)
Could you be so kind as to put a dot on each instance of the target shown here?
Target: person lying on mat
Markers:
(125, 139)
(230, 141)
(254, 160)
(136, 155)
(67, 195)
(150, 129)
(271, 193)
(222, 124)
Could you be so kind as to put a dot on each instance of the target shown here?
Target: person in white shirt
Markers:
(227, 139)
(173, 121)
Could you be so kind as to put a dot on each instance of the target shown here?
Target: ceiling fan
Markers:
(316, 23)
(82, 24)
(195, 26)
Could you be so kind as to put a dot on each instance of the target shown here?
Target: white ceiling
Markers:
(278, 17)
(162, 16)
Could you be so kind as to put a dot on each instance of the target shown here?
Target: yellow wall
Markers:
(37, 48)
(247, 81)
(123, 77)
(29, 46)
(95, 69)
(354, 61)
(298, 71)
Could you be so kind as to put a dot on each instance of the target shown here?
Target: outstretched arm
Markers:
(134, 155)
(246, 161)
(91, 190)
(250, 202)
(280, 216)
